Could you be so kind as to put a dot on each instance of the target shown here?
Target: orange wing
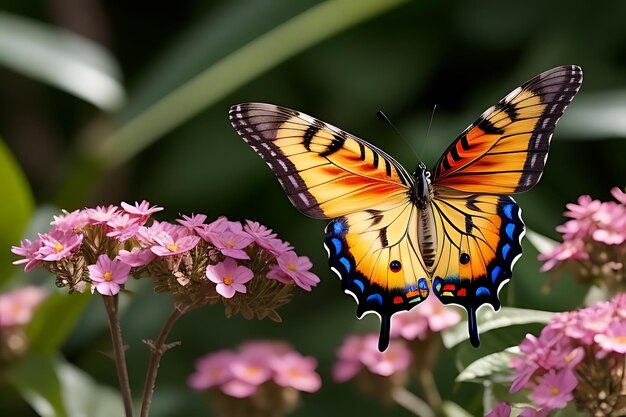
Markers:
(478, 242)
(505, 150)
(325, 171)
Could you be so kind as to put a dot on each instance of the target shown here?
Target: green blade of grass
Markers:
(274, 47)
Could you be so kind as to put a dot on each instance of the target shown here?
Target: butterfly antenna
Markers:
(432, 116)
(383, 116)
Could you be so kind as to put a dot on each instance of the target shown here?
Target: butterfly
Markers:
(395, 237)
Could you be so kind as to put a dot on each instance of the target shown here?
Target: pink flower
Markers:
(29, 250)
(430, 316)
(296, 371)
(238, 389)
(142, 210)
(136, 257)
(194, 223)
(250, 370)
(555, 389)
(107, 275)
(297, 268)
(71, 221)
(410, 325)
(619, 194)
(212, 370)
(229, 277)
(58, 244)
(614, 339)
(396, 358)
(168, 245)
(17, 306)
(278, 247)
(568, 250)
(349, 363)
(500, 410)
(531, 412)
(102, 214)
(231, 243)
(122, 226)
(586, 207)
(276, 273)
(262, 236)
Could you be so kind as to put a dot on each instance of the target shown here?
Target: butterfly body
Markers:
(395, 237)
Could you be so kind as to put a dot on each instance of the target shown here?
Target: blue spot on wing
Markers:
(508, 210)
(482, 291)
(495, 272)
(345, 263)
(510, 229)
(359, 284)
(338, 228)
(337, 244)
(505, 250)
(375, 297)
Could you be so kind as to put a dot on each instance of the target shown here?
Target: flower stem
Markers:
(412, 402)
(110, 304)
(157, 350)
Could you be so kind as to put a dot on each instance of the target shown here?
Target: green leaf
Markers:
(490, 320)
(34, 377)
(85, 397)
(265, 52)
(496, 364)
(60, 58)
(451, 409)
(540, 242)
(15, 213)
(54, 320)
(55, 388)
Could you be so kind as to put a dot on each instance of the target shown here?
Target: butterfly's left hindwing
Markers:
(375, 254)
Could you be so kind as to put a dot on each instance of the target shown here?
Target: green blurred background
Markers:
(340, 61)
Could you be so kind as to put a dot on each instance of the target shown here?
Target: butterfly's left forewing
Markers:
(324, 171)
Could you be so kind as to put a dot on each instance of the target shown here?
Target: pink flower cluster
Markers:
(137, 243)
(430, 317)
(556, 366)
(241, 373)
(592, 223)
(17, 306)
(360, 352)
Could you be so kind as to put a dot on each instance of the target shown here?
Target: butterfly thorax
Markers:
(421, 192)
(421, 195)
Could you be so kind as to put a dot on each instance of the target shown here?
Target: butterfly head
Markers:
(420, 192)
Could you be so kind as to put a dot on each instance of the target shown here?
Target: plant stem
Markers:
(157, 349)
(110, 304)
(412, 402)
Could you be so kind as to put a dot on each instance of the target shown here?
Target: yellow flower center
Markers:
(293, 372)
(292, 267)
(253, 370)
(229, 244)
(620, 339)
(107, 276)
(554, 391)
(58, 247)
(227, 280)
(172, 248)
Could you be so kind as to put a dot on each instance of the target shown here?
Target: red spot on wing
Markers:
(398, 300)
(462, 292)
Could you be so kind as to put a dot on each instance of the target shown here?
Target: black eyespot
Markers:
(465, 258)
(395, 266)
